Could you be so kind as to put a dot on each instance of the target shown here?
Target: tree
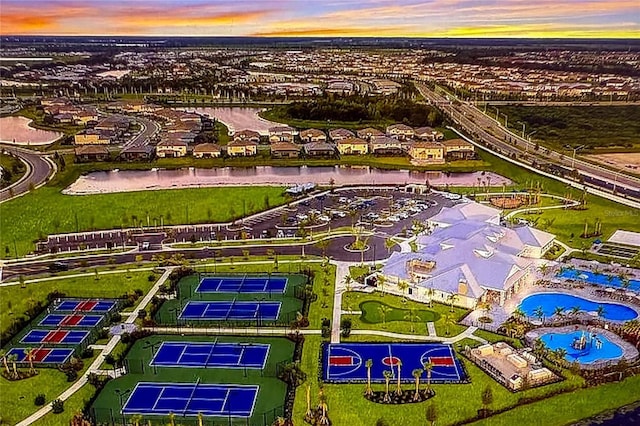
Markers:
(601, 311)
(368, 364)
(452, 298)
(387, 379)
(431, 293)
(431, 414)
(347, 282)
(403, 286)
(410, 316)
(381, 281)
(558, 311)
(399, 366)
(136, 419)
(519, 313)
(29, 355)
(539, 313)
(389, 243)
(416, 375)
(449, 320)
(575, 310)
(384, 310)
(544, 269)
(13, 358)
(428, 367)
(487, 397)
(3, 355)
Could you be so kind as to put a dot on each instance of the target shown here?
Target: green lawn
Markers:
(569, 408)
(604, 126)
(16, 300)
(270, 397)
(396, 322)
(24, 219)
(16, 398)
(73, 405)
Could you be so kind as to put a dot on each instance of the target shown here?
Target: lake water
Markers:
(16, 130)
(238, 118)
(140, 180)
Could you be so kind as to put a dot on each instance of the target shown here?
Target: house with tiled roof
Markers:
(319, 149)
(281, 134)
(423, 153)
(400, 131)
(312, 135)
(340, 134)
(247, 135)
(351, 146)
(285, 150)
(242, 148)
(458, 149)
(207, 150)
(384, 145)
(369, 133)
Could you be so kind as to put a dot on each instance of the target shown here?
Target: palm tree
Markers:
(29, 355)
(625, 283)
(544, 269)
(575, 310)
(347, 282)
(387, 379)
(136, 419)
(448, 321)
(601, 311)
(519, 313)
(428, 366)
(172, 419)
(560, 353)
(389, 243)
(384, 310)
(539, 313)
(399, 366)
(13, 358)
(539, 348)
(403, 286)
(416, 375)
(382, 281)
(452, 298)
(368, 364)
(558, 311)
(411, 316)
(3, 355)
(431, 292)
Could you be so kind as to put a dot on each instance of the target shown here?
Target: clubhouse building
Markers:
(468, 257)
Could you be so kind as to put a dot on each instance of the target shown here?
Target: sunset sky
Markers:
(357, 18)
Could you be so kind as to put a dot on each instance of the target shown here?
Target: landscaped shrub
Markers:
(57, 406)
(40, 400)
(86, 353)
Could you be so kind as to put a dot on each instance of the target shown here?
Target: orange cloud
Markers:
(330, 32)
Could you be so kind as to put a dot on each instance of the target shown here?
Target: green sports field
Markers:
(269, 403)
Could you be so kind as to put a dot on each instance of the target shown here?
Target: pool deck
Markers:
(629, 352)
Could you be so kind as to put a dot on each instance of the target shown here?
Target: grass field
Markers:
(597, 127)
(24, 219)
(270, 396)
(569, 408)
(11, 164)
(16, 300)
(73, 405)
(397, 319)
(17, 398)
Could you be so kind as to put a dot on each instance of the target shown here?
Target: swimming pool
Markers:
(549, 302)
(596, 348)
(599, 279)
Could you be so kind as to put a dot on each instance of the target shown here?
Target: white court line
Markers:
(226, 397)
(158, 398)
(454, 362)
(184, 348)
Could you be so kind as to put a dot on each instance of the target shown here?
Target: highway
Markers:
(487, 130)
(39, 170)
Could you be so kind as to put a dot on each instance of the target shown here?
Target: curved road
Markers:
(486, 128)
(39, 170)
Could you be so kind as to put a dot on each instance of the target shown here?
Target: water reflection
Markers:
(16, 130)
(138, 180)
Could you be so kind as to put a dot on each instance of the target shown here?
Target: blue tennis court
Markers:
(231, 310)
(251, 284)
(346, 362)
(42, 355)
(86, 305)
(211, 355)
(72, 320)
(66, 337)
(189, 399)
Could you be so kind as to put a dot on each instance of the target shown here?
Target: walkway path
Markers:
(342, 271)
(431, 328)
(95, 365)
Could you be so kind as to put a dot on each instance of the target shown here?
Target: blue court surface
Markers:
(42, 355)
(242, 285)
(231, 310)
(189, 399)
(211, 355)
(345, 362)
(99, 306)
(66, 337)
(73, 320)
